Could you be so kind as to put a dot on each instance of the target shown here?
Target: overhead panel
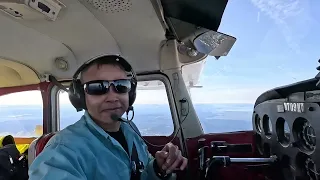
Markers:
(186, 17)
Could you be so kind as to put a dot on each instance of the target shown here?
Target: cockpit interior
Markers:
(168, 43)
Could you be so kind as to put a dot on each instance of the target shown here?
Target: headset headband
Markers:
(76, 93)
(127, 67)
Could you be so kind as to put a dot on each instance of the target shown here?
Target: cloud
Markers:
(22, 98)
(19, 134)
(207, 94)
(217, 93)
(143, 97)
(151, 97)
(292, 16)
(226, 95)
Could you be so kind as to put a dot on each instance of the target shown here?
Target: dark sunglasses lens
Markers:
(122, 86)
(96, 88)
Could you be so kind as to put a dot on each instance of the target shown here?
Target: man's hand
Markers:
(170, 158)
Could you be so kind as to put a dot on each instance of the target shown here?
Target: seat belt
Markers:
(137, 166)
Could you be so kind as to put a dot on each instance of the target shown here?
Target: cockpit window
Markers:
(21, 114)
(152, 114)
(277, 44)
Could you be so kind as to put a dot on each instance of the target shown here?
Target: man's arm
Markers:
(56, 162)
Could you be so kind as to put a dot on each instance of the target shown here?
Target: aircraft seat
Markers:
(37, 145)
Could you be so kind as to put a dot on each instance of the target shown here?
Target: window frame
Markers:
(55, 110)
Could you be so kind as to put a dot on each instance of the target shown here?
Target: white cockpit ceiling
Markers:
(81, 32)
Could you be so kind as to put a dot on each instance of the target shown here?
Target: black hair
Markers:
(105, 60)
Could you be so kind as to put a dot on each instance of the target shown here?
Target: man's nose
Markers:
(112, 94)
(112, 89)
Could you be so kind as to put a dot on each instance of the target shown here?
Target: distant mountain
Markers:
(151, 119)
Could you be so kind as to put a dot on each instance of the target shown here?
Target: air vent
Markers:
(14, 11)
(111, 6)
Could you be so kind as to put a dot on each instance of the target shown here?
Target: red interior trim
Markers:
(160, 140)
(46, 98)
(8, 90)
(236, 171)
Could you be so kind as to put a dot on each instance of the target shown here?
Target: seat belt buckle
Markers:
(133, 167)
(140, 167)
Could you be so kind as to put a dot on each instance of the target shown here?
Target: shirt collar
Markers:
(98, 131)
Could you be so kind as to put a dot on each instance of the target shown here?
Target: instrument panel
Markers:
(288, 128)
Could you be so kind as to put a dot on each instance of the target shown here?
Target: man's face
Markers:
(101, 107)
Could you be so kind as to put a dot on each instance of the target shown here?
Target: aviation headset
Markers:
(76, 91)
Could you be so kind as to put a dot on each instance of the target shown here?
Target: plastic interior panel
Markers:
(293, 148)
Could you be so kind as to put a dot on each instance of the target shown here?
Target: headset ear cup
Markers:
(76, 95)
(132, 93)
(82, 96)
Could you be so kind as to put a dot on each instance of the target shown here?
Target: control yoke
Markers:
(208, 166)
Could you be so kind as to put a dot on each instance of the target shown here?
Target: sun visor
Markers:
(186, 17)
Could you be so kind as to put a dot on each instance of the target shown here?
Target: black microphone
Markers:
(117, 118)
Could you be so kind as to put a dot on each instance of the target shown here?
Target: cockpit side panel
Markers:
(286, 122)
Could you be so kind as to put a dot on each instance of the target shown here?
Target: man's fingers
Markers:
(184, 163)
(175, 163)
(173, 151)
(170, 158)
(161, 154)
(166, 147)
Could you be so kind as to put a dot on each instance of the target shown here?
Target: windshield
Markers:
(277, 44)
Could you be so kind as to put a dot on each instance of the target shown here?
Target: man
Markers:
(99, 146)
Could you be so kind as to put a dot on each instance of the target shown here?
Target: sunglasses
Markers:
(100, 87)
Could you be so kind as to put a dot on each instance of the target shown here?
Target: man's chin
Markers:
(106, 114)
(107, 124)
(107, 117)
(104, 118)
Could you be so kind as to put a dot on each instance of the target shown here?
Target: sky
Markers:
(277, 44)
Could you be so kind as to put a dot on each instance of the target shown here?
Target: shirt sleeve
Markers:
(56, 162)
